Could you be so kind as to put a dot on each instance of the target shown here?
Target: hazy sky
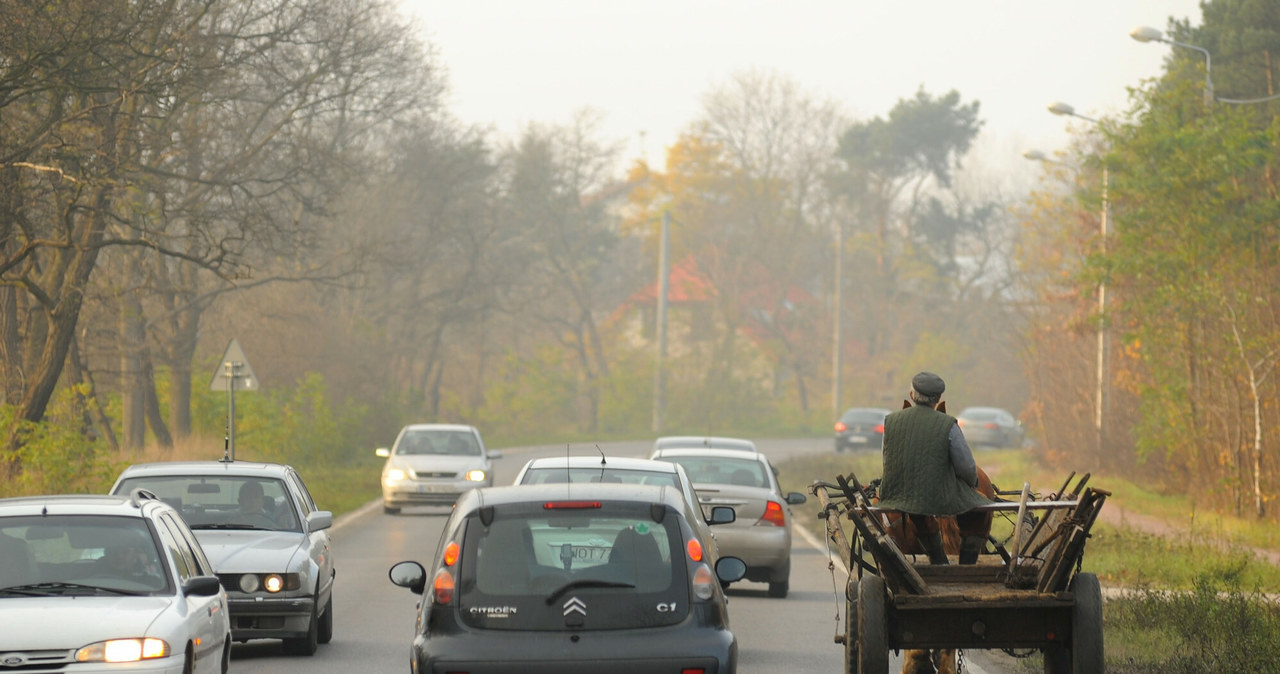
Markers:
(646, 64)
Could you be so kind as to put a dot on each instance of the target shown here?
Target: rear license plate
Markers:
(858, 439)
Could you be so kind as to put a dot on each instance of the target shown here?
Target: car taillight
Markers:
(773, 515)
(703, 582)
(694, 548)
(451, 554)
(442, 587)
(989, 425)
(840, 427)
(693, 670)
(879, 428)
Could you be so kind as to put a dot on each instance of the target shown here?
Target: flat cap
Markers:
(928, 384)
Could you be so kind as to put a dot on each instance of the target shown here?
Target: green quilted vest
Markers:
(918, 477)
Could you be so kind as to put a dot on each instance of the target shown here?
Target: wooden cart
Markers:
(1029, 595)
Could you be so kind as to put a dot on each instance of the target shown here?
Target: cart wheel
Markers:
(851, 627)
(1086, 625)
(1084, 655)
(872, 627)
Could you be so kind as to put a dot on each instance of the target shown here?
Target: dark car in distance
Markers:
(861, 428)
(611, 577)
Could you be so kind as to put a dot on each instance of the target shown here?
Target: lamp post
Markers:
(1149, 34)
(1100, 390)
(660, 372)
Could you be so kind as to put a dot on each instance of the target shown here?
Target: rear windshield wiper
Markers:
(49, 589)
(229, 526)
(585, 582)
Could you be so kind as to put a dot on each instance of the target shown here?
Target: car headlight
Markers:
(269, 582)
(475, 475)
(395, 475)
(123, 650)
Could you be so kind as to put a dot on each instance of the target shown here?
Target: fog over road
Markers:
(374, 620)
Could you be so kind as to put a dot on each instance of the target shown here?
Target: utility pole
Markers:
(660, 382)
(837, 353)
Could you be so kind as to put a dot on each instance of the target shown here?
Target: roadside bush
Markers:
(1216, 627)
(59, 456)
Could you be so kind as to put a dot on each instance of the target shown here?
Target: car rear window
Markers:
(576, 568)
(980, 415)
(863, 416)
(722, 470)
(606, 475)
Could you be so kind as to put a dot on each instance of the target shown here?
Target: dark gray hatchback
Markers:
(539, 579)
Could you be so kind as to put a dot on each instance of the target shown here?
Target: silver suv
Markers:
(107, 583)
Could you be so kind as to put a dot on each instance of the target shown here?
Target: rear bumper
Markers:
(715, 651)
(761, 547)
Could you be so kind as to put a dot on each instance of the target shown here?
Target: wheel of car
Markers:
(305, 645)
(324, 634)
(188, 662)
(390, 510)
(226, 655)
(779, 589)
(873, 627)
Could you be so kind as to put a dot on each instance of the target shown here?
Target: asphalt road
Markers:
(373, 619)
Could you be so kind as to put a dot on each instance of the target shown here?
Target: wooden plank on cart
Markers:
(831, 512)
(1058, 566)
(899, 573)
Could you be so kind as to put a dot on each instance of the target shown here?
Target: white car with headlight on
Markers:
(107, 584)
(433, 464)
(269, 544)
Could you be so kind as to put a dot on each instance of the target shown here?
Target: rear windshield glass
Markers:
(222, 501)
(459, 443)
(863, 416)
(607, 475)
(980, 415)
(718, 470)
(80, 555)
(609, 567)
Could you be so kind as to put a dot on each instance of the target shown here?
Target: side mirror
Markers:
(319, 520)
(383, 452)
(410, 575)
(494, 453)
(202, 586)
(722, 515)
(796, 498)
(730, 569)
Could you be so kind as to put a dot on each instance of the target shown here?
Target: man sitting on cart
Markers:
(929, 472)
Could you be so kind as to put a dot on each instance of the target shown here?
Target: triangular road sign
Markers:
(233, 366)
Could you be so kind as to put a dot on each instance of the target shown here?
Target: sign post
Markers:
(233, 373)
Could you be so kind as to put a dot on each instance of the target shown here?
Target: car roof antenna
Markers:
(603, 463)
(568, 474)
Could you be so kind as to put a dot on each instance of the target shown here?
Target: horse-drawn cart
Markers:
(1025, 594)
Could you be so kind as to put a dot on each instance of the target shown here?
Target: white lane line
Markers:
(833, 555)
(348, 517)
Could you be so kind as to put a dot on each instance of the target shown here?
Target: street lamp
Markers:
(1100, 391)
(1149, 34)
